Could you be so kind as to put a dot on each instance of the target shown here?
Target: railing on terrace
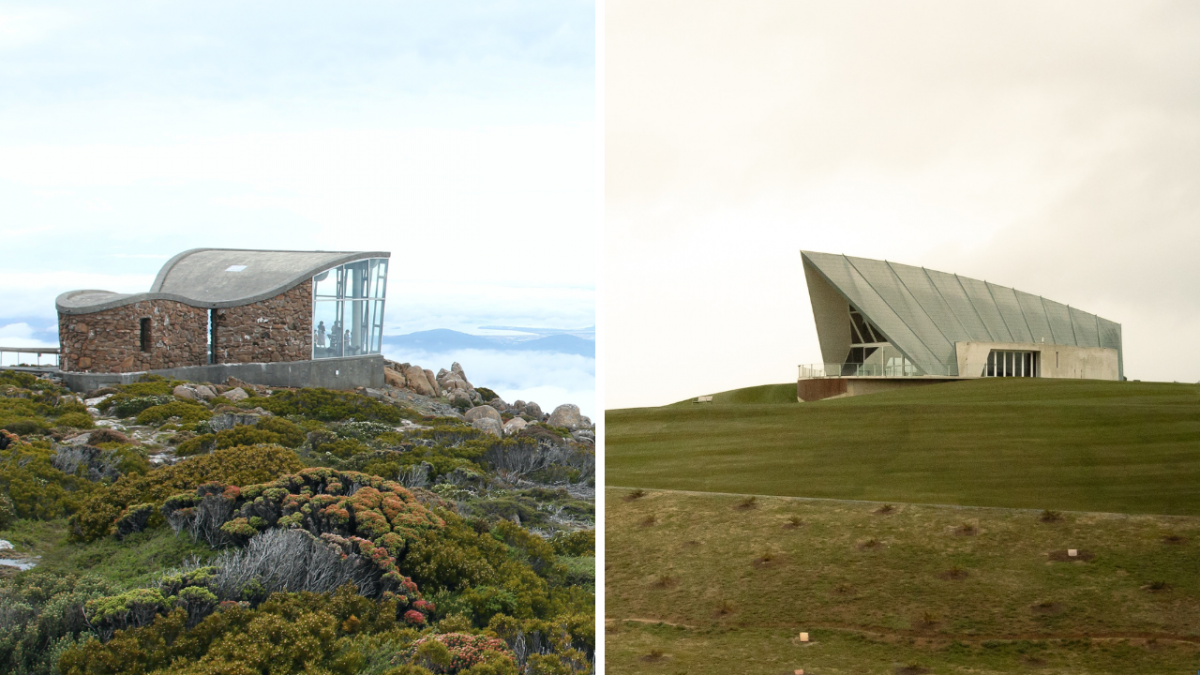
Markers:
(16, 360)
(821, 370)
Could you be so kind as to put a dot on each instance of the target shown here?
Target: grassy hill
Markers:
(1031, 443)
(714, 584)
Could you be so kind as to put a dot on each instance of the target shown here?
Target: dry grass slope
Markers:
(949, 590)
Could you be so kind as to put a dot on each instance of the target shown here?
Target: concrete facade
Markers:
(1056, 361)
(344, 373)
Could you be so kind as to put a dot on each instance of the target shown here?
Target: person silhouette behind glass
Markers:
(321, 334)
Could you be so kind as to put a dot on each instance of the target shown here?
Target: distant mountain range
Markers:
(443, 340)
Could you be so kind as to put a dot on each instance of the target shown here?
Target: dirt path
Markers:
(700, 493)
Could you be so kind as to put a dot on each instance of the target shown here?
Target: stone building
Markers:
(883, 325)
(288, 318)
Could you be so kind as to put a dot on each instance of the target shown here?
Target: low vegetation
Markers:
(1066, 445)
(952, 590)
(293, 531)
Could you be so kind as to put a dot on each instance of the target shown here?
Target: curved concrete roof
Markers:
(923, 313)
(219, 277)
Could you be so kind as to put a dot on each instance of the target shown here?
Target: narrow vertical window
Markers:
(145, 335)
(212, 336)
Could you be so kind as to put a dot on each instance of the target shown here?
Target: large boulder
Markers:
(513, 426)
(205, 393)
(393, 378)
(184, 392)
(460, 398)
(236, 394)
(458, 370)
(566, 415)
(533, 410)
(433, 383)
(489, 425)
(229, 420)
(483, 412)
(418, 382)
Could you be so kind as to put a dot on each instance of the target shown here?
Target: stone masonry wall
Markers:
(109, 341)
(268, 331)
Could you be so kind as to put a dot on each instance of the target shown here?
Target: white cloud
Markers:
(548, 378)
(21, 28)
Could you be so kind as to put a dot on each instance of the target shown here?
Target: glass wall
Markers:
(348, 309)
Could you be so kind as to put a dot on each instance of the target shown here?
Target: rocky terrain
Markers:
(427, 526)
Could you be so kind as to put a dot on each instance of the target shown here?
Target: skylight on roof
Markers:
(235, 268)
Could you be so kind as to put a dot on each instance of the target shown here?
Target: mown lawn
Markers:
(941, 589)
(1124, 447)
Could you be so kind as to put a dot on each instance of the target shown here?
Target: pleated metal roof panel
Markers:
(923, 313)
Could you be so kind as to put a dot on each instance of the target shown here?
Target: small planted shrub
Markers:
(966, 530)
(635, 495)
(665, 581)
(649, 520)
(725, 607)
(1049, 516)
(885, 510)
(1157, 586)
(747, 504)
(955, 573)
(793, 522)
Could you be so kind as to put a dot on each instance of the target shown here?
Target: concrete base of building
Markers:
(817, 389)
(345, 373)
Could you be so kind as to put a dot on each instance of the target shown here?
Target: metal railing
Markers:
(38, 353)
(823, 370)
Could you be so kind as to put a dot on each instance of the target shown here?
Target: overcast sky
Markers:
(1049, 146)
(460, 136)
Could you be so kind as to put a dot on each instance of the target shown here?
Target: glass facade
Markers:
(348, 309)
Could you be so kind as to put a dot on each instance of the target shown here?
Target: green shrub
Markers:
(343, 448)
(35, 487)
(239, 465)
(126, 405)
(199, 445)
(289, 633)
(27, 427)
(44, 617)
(487, 394)
(330, 406)
(245, 435)
(575, 544)
(376, 521)
(290, 434)
(8, 512)
(186, 411)
(150, 385)
(76, 420)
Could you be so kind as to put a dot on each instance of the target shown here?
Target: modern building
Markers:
(285, 318)
(882, 325)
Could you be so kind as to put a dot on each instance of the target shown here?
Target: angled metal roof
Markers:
(219, 277)
(923, 313)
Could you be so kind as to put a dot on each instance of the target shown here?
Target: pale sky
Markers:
(1049, 146)
(458, 135)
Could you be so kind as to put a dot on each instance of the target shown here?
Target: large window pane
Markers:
(327, 321)
(348, 309)
(325, 284)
